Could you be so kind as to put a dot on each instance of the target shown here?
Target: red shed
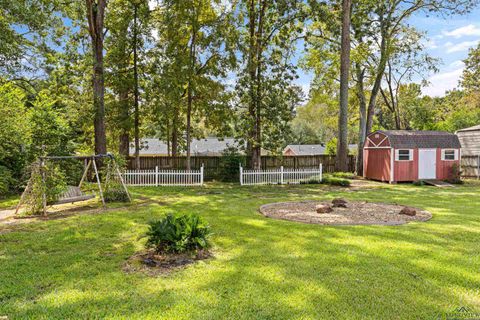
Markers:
(403, 155)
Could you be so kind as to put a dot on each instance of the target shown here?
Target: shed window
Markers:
(449, 154)
(404, 155)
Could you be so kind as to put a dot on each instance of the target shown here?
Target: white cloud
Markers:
(459, 47)
(442, 82)
(468, 30)
(430, 44)
(457, 64)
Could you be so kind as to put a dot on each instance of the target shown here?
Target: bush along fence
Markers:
(280, 176)
(213, 164)
(158, 177)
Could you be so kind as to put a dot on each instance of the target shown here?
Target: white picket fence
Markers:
(279, 176)
(164, 177)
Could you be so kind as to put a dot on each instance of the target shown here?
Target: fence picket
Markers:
(279, 176)
(164, 177)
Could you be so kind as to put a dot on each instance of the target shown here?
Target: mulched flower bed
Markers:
(154, 264)
(355, 213)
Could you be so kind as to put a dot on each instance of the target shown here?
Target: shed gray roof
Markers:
(312, 149)
(474, 128)
(208, 146)
(421, 139)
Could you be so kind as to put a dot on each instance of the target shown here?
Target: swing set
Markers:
(72, 194)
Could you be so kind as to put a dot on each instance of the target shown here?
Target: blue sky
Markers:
(449, 39)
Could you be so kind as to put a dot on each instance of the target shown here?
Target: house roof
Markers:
(312, 149)
(474, 128)
(421, 139)
(208, 146)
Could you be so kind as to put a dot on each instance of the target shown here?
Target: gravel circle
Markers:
(356, 213)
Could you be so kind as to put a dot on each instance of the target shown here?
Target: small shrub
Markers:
(455, 174)
(344, 175)
(115, 195)
(229, 163)
(418, 183)
(178, 234)
(334, 181)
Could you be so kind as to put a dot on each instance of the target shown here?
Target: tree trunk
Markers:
(136, 91)
(257, 148)
(362, 117)
(95, 16)
(252, 71)
(175, 134)
(342, 145)
(124, 139)
(189, 112)
(190, 94)
(378, 77)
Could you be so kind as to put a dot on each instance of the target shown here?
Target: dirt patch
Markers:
(154, 264)
(355, 213)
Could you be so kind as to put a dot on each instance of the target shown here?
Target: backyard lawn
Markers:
(71, 268)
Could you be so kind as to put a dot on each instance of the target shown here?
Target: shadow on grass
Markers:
(264, 268)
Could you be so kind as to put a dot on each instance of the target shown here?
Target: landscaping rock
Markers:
(408, 211)
(323, 208)
(339, 203)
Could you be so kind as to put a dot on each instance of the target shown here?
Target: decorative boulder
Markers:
(339, 203)
(323, 208)
(408, 211)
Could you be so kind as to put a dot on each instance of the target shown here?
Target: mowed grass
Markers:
(71, 268)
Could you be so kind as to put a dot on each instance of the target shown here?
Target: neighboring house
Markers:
(401, 155)
(311, 149)
(198, 147)
(470, 140)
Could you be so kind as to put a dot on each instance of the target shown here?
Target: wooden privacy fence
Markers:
(470, 166)
(279, 176)
(212, 164)
(158, 177)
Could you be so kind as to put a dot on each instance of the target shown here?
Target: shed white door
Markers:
(427, 163)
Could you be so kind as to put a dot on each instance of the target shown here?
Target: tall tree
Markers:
(96, 17)
(342, 144)
(265, 81)
(195, 41)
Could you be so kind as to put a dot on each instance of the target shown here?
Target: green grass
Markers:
(8, 202)
(263, 268)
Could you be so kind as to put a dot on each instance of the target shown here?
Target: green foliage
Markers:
(229, 164)
(344, 175)
(335, 181)
(418, 183)
(6, 181)
(113, 188)
(178, 233)
(115, 195)
(52, 185)
(455, 174)
(331, 147)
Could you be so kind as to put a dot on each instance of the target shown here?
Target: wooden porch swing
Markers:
(75, 194)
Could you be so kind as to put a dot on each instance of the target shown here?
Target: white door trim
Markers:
(429, 168)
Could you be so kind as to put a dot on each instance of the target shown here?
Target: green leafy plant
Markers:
(229, 163)
(455, 174)
(6, 181)
(115, 195)
(178, 234)
(52, 185)
(344, 175)
(335, 181)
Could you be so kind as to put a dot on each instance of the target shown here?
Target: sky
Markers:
(448, 39)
